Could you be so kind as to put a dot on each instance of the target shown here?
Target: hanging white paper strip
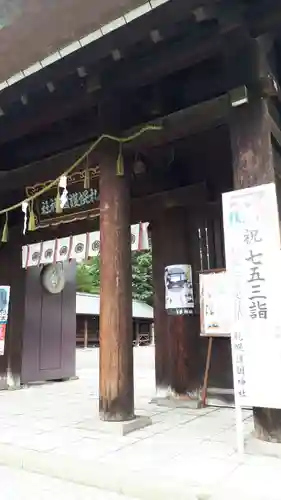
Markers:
(62, 250)
(64, 198)
(79, 247)
(48, 252)
(63, 182)
(135, 237)
(24, 207)
(34, 254)
(24, 256)
(144, 241)
(94, 244)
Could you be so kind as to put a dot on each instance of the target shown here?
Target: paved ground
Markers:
(53, 429)
(17, 484)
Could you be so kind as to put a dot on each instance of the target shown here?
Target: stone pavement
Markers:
(53, 429)
(17, 484)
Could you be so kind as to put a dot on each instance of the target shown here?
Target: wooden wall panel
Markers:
(49, 338)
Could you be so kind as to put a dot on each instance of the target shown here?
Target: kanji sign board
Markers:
(252, 247)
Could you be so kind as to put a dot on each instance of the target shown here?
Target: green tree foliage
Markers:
(88, 276)
(142, 276)
(83, 279)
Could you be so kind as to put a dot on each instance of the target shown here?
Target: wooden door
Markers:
(49, 333)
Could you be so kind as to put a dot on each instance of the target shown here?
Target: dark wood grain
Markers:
(253, 165)
(49, 334)
(176, 337)
(116, 337)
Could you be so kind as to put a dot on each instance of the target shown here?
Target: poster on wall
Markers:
(216, 304)
(179, 297)
(252, 245)
(4, 312)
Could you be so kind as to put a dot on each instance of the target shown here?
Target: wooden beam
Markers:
(185, 122)
(200, 44)
(40, 171)
(123, 38)
(198, 87)
(175, 126)
(264, 17)
(192, 195)
(258, 20)
(34, 119)
(197, 46)
(194, 48)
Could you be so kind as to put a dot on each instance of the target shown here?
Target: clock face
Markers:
(52, 278)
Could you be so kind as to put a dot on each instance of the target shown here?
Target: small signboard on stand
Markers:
(215, 313)
(215, 297)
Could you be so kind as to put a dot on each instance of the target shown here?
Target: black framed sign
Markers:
(81, 202)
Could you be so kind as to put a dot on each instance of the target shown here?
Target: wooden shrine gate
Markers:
(49, 336)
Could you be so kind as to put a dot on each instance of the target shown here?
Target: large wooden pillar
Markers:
(162, 355)
(116, 339)
(177, 340)
(253, 164)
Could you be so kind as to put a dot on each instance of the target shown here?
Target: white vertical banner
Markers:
(34, 254)
(253, 261)
(24, 256)
(144, 240)
(135, 237)
(48, 252)
(62, 250)
(79, 247)
(94, 244)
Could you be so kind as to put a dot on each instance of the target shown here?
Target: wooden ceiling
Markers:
(33, 29)
(158, 64)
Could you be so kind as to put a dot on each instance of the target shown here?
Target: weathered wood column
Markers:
(116, 339)
(177, 339)
(253, 164)
(162, 355)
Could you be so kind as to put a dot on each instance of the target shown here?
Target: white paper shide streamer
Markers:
(63, 184)
(24, 207)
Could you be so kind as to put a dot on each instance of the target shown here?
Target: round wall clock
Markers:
(52, 278)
